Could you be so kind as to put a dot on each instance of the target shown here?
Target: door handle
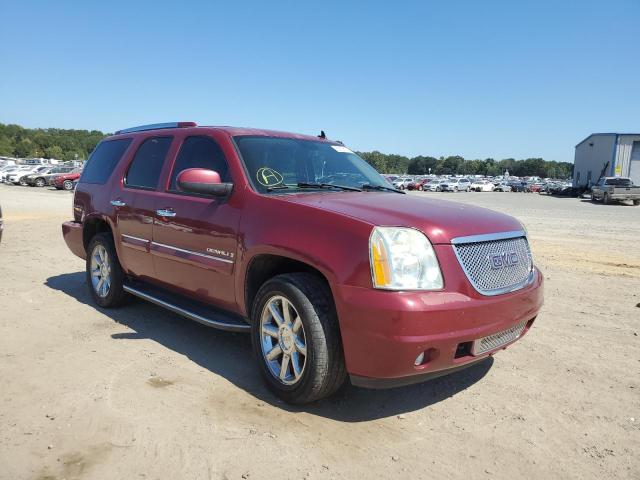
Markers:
(118, 203)
(166, 212)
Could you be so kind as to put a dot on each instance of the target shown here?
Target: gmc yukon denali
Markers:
(298, 241)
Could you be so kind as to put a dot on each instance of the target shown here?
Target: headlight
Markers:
(403, 259)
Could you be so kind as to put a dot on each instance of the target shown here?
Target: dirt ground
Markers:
(140, 393)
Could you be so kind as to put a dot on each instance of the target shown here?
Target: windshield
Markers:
(619, 182)
(287, 164)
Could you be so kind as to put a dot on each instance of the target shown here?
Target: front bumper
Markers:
(72, 234)
(383, 332)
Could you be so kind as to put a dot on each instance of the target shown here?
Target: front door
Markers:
(195, 237)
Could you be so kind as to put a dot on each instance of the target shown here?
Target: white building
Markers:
(609, 154)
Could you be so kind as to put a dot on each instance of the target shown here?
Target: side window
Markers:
(145, 169)
(102, 161)
(200, 152)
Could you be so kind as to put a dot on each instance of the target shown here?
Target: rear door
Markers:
(195, 236)
(134, 205)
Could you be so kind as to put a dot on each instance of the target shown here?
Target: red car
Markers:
(418, 184)
(298, 241)
(65, 181)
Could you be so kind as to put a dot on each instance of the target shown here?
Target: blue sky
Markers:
(479, 79)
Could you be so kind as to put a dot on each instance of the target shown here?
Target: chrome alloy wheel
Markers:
(100, 271)
(284, 345)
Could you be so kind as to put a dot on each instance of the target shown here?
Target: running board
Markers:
(191, 309)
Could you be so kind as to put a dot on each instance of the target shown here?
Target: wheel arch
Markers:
(92, 226)
(263, 266)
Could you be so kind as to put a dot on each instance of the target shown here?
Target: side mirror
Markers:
(203, 182)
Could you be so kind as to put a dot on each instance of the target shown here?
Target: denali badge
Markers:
(501, 260)
(221, 253)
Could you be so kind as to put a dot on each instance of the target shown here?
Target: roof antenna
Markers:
(322, 134)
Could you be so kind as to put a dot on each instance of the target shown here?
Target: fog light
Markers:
(419, 359)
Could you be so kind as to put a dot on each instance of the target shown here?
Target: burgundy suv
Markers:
(300, 242)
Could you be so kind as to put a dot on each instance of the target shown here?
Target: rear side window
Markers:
(145, 169)
(103, 160)
(200, 152)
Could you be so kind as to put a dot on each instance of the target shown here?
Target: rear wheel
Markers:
(67, 185)
(296, 338)
(606, 199)
(40, 182)
(636, 202)
(105, 277)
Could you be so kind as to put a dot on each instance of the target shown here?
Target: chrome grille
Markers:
(495, 264)
(497, 340)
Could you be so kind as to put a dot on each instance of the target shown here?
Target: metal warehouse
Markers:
(609, 155)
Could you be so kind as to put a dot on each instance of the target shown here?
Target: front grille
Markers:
(495, 266)
(496, 340)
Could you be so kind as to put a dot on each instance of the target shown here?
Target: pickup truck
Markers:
(615, 189)
(297, 241)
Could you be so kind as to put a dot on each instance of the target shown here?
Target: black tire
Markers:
(606, 199)
(636, 202)
(39, 182)
(116, 294)
(67, 185)
(324, 371)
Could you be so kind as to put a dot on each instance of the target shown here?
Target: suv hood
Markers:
(440, 220)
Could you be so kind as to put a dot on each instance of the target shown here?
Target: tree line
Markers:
(61, 144)
(457, 165)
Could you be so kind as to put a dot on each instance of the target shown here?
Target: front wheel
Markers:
(67, 185)
(636, 202)
(296, 338)
(40, 182)
(606, 199)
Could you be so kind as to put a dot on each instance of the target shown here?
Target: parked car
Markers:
(456, 185)
(536, 187)
(64, 181)
(15, 177)
(482, 186)
(5, 171)
(34, 171)
(402, 183)
(615, 189)
(418, 184)
(41, 179)
(238, 229)
(434, 186)
(502, 187)
(518, 186)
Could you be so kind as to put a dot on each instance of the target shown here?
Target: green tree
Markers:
(25, 148)
(54, 151)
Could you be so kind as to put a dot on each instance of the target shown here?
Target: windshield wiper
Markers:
(368, 186)
(327, 185)
(277, 187)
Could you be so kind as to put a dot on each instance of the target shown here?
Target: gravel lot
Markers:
(142, 393)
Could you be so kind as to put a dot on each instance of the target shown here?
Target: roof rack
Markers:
(157, 126)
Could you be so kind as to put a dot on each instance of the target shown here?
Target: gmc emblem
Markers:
(502, 260)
